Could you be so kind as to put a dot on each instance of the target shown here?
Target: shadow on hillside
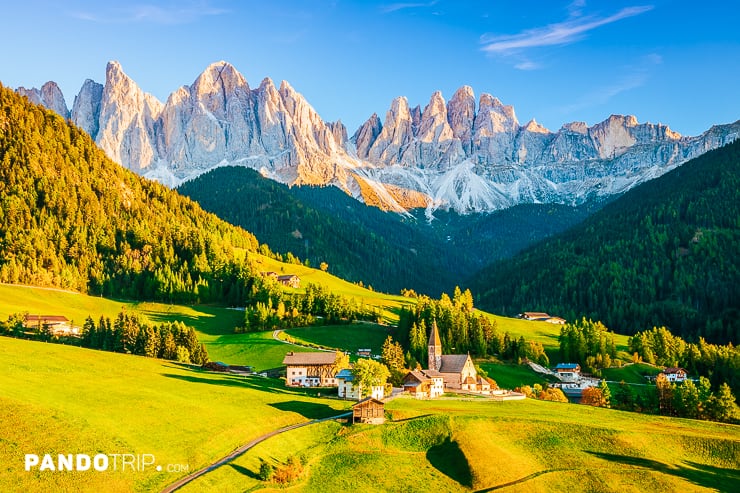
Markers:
(448, 459)
(243, 470)
(229, 380)
(718, 478)
(309, 410)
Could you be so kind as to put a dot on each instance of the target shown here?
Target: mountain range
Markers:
(463, 154)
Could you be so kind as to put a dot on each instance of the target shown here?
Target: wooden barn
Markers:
(369, 411)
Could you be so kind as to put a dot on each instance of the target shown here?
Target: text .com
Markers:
(99, 462)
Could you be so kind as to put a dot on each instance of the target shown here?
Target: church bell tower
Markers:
(435, 348)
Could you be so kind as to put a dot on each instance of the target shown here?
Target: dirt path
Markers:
(236, 453)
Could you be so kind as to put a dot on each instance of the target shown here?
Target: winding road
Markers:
(241, 450)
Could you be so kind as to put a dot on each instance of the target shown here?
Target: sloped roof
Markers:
(432, 373)
(415, 375)
(346, 374)
(470, 380)
(567, 366)
(311, 358)
(46, 318)
(673, 370)
(453, 363)
(366, 401)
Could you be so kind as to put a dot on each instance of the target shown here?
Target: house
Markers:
(534, 316)
(270, 274)
(674, 374)
(568, 372)
(290, 280)
(369, 411)
(348, 389)
(57, 325)
(364, 353)
(457, 370)
(311, 369)
(541, 317)
(424, 384)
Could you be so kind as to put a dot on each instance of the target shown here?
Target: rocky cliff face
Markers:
(457, 154)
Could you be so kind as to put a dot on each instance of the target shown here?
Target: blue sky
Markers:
(675, 62)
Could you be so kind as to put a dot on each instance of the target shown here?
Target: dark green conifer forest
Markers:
(666, 253)
(72, 218)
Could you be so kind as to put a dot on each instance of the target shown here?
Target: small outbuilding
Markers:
(369, 411)
(568, 372)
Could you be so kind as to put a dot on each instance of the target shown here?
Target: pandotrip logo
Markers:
(99, 463)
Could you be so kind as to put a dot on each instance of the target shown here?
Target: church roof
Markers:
(453, 363)
(434, 339)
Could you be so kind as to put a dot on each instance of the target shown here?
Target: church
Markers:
(457, 370)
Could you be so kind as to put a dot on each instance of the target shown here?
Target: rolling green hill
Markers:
(665, 253)
(361, 243)
(53, 402)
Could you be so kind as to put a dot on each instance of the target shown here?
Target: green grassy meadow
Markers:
(62, 399)
(447, 445)
(346, 337)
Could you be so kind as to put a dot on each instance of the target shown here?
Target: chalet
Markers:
(290, 280)
(57, 325)
(364, 353)
(311, 369)
(370, 411)
(347, 388)
(457, 370)
(568, 372)
(541, 317)
(675, 374)
(424, 384)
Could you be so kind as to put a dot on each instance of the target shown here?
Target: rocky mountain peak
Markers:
(50, 96)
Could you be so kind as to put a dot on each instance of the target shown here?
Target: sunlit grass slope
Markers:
(61, 399)
(483, 446)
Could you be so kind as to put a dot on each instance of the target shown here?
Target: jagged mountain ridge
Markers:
(458, 154)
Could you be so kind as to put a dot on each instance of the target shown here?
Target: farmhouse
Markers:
(312, 369)
(457, 370)
(675, 374)
(568, 372)
(347, 388)
(290, 280)
(370, 411)
(541, 317)
(424, 384)
(58, 325)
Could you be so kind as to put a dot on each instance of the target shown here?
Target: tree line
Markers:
(461, 330)
(278, 309)
(719, 363)
(125, 334)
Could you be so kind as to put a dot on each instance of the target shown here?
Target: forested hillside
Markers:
(360, 243)
(72, 218)
(666, 253)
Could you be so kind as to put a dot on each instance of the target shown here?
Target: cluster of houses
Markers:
(445, 372)
(290, 280)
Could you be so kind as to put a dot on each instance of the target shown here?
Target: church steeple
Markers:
(435, 348)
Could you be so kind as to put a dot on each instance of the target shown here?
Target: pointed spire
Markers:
(434, 339)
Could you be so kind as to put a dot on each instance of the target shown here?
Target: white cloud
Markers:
(527, 65)
(152, 13)
(393, 7)
(561, 33)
